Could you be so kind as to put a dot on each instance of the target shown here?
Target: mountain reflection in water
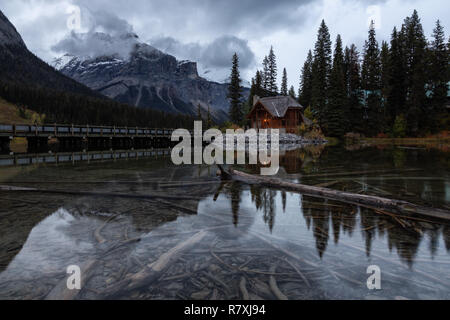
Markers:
(312, 248)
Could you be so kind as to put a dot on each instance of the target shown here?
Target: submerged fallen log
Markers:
(153, 271)
(62, 292)
(372, 202)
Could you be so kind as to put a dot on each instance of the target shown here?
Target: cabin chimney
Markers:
(255, 99)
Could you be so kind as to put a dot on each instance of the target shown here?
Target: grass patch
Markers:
(12, 114)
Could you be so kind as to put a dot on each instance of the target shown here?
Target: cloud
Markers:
(105, 34)
(185, 51)
(219, 52)
(96, 44)
(216, 54)
(209, 16)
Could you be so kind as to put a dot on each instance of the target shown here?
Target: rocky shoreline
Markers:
(286, 141)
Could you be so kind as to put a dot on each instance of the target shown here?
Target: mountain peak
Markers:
(8, 33)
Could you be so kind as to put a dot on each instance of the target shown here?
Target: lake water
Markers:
(245, 241)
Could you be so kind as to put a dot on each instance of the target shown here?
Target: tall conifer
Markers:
(335, 117)
(235, 92)
(284, 84)
(371, 83)
(321, 69)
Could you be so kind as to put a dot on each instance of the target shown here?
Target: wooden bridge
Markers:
(72, 136)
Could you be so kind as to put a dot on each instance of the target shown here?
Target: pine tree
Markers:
(305, 91)
(371, 83)
(235, 92)
(253, 92)
(284, 85)
(354, 91)
(292, 92)
(415, 58)
(258, 84)
(335, 117)
(321, 69)
(265, 74)
(438, 76)
(272, 72)
(385, 75)
(397, 78)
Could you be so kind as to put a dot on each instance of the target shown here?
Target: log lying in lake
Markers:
(153, 271)
(373, 202)
(61, 290)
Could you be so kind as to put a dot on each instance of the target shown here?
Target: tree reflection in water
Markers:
(325, 218)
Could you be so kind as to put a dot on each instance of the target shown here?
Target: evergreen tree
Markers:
(284, 84)
(335, 117)
(384, 60)
(305, 91)
(371, 83)
(253, 92)
(292, 92)
(354, 91)
(397, 78)
(235, 92)
(258, 83)
(346, 69)
(438, 76)
(265, 74)
(415, 58)
(272, 72)
(321, 69)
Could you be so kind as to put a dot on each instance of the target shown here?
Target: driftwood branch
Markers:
(62, 292)
(373, 202)
(154, 270)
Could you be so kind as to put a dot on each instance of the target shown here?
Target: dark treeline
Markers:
(397, 89)
(71, 108)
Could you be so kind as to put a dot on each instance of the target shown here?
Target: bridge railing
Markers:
(76, 130)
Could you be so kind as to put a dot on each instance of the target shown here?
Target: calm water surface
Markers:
(255, 242)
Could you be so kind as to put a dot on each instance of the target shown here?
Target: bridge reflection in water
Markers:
(76, 157)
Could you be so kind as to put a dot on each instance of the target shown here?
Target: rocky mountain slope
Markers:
(149, 78)
(19, 65)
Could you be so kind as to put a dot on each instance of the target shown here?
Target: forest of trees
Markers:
(29, 82)
(63, 107)
(394, 89)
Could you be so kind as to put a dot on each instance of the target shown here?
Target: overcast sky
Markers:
(209, 31)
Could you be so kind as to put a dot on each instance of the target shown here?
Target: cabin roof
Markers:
(278, 106)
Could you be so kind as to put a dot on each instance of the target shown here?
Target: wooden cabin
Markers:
(281, 112)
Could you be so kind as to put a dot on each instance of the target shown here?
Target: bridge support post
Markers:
(5, 144)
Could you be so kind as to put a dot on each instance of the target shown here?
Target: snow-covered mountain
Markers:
(148, 78)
